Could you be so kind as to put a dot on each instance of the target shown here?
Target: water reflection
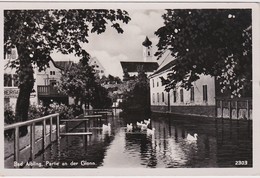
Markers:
(220, 144)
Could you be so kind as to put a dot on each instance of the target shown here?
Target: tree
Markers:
(38, 33)
(137, 94)
(211, 42)
(100, 98)
(126, 75)
(78, 81)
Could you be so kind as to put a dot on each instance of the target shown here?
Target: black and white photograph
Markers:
(110, 86)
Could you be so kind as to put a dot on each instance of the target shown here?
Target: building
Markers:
(45, 81)
(148, 64)
(98, 67)
(199, 100)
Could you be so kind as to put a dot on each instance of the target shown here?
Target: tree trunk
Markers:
(26, 85)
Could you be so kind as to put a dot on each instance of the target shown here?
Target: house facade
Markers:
(44, 86)
(98, 67)
(198, 101)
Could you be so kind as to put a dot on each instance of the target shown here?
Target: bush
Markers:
(66, 112)
(9, 118)
(36, 111)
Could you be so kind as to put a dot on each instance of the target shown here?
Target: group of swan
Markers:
(143, 125)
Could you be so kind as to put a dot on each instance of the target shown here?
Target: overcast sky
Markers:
(111, 48)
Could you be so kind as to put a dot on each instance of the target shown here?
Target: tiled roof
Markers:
(132, 66)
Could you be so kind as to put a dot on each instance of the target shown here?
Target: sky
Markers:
(110, 47)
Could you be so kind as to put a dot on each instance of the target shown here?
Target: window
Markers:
(181, 95)
(149, 53)
(205, 93)
(153, 83)
(15, 80)
(192, 94)
(52, 72)
(102, 71)
(174, 96)
(157, 82)
(158, 98)
(153, 98)
(7, 80)
(53, 82)
(162, 97)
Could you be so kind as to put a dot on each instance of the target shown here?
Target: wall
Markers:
(44, 77)
(196, 107)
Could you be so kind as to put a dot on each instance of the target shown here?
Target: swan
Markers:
(144, 127)
(150, 131)
(106, 127)
(139, 124)
(192, 138)
(129, 127)
(147, 121)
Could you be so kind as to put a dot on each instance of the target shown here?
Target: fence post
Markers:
(50, 129)
(32, 140)
(248, 109)
(221, 108)
(237, 109)
(230, 109)
(16, 145)
(43, 134)
(58, 127)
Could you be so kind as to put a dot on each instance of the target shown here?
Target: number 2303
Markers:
(241, 163)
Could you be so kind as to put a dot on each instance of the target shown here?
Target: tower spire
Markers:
(147, 42)
(147, 49)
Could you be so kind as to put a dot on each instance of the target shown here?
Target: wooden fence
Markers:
(238, 108)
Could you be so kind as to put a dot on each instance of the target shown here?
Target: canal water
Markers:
(221, 143)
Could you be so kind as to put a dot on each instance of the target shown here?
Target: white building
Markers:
(199, 100)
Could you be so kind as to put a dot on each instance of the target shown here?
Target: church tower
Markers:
(147, 50)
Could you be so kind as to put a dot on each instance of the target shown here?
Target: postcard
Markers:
(130, 88)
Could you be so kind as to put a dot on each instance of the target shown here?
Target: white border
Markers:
(255, 171)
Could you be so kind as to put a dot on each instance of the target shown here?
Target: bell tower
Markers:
(147, 50)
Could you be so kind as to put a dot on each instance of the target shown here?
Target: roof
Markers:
(167, 63)
(147, 42)
(96, 63)
(131, 66)
(164, 68)
(62, 64)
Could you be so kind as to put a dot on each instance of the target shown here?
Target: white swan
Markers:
(144, 127)
(150, 131)
(147, 122)
(129, 127)
(192, 138)
(139, 124)
(106, 127)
